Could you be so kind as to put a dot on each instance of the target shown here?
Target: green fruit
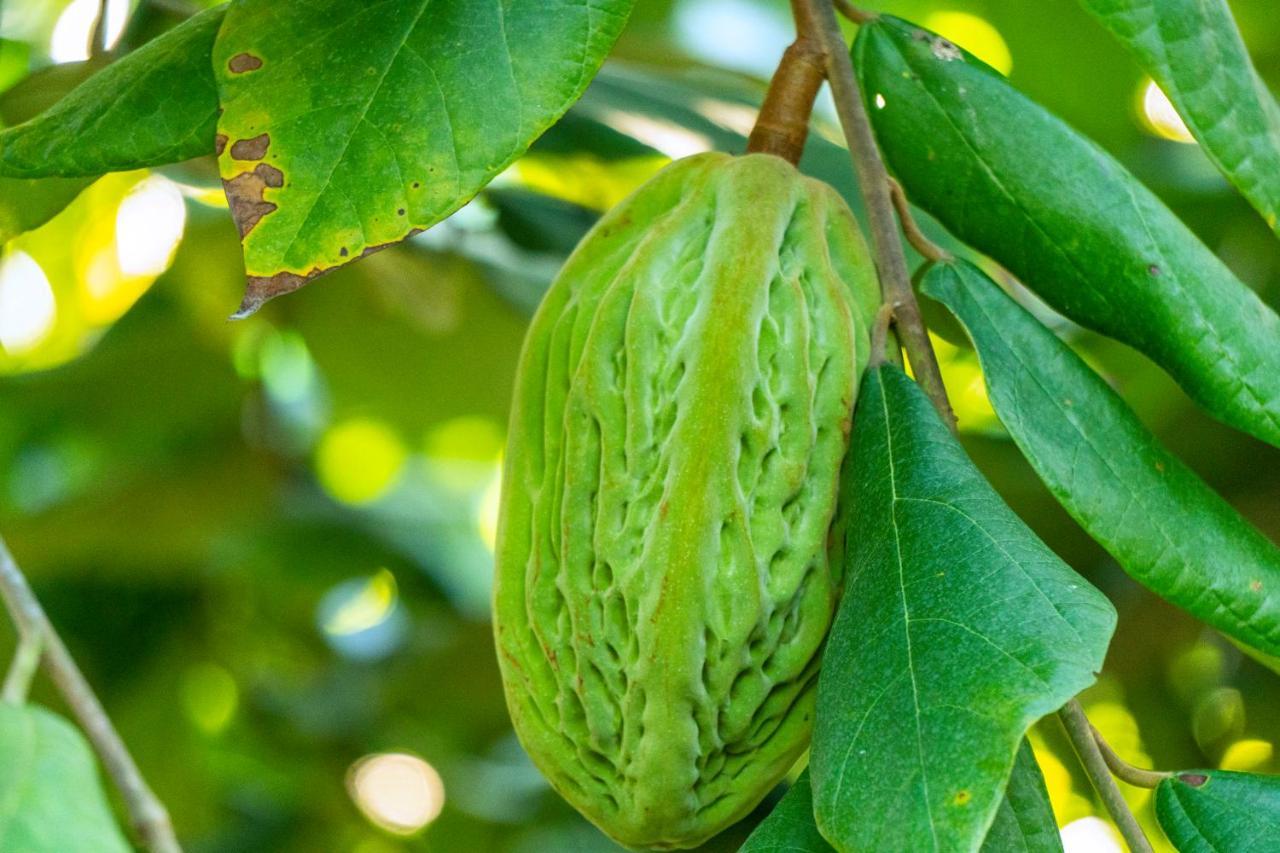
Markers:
(681, 413)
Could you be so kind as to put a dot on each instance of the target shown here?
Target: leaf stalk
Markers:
(1082, 736)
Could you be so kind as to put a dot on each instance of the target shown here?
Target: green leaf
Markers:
(957, 630)
(157, 105)
(50, 798)
(1160, 522)
(25, 205)
(1217, 811)
(1024, 822)
(1193, 49)
(790, 827)
(350, 126)
(1072, 223)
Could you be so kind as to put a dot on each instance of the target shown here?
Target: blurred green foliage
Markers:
(268, 542)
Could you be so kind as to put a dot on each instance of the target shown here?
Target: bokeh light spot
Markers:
(149, 226)
(1159, 116)
(27, 305)
(975, 35)
(1247, 755)
(487, 510)
(210, 697)
(671, 139)
(399, 792)
(359, 460)
(367, 606)
(1090, 835)
(75, 27)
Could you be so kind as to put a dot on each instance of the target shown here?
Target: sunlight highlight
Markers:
(358, 461)
(1090, 835)
(487, 510)
(149, 226)
(399, 792)
(668, 137)
(73, 32)
(975, 35)
(27, 305)
(210, 696)
(1160, 117)
(368, 606)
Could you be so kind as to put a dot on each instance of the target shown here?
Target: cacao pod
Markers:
(682, 410)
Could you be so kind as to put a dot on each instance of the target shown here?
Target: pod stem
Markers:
(150, 820)
(921, 243)
(783, 123)
(1086, 742)
(874, 182)
(1139, 777)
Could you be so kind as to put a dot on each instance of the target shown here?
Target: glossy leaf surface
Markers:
(1217, 811)
(1163, 525)
(157, 105)
(1020, 185)
(1193, 49)
(28, 204)
(790, 827)
(350, 126)
(50, 798)
(1024, 822)
(957, 630)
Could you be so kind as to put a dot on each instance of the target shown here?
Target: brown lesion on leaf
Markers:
(243, 62)
(1195, 780)
(251, 149)
(245, 195)
(262, 289)
(220, 143)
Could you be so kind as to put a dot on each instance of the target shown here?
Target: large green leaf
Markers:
(790, 827)
(957, 630)
(1216, 811)
(1163, 525)
(1194, 51)
(350, 126)
(1024, 822)
(50, 798)
(28, 204)
(157, 105)
(1071, 222)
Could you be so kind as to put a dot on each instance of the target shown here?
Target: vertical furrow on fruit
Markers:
(689, 378)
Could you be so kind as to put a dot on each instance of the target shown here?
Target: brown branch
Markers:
(922, 244)
(783, 123)
(150, 820)
(880, 351)
(853, 13)
(873, 180)
(1082, 738)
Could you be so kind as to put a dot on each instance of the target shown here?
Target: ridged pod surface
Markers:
(681, 414)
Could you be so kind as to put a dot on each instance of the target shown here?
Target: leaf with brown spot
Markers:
(396, 114)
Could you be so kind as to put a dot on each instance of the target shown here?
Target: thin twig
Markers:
(1095, 765)
(1123, 770)
(880, 351)
(873, 180)
(783, 123)
(26, 660)
(853, 13)
(922, 244)
(150, 820)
